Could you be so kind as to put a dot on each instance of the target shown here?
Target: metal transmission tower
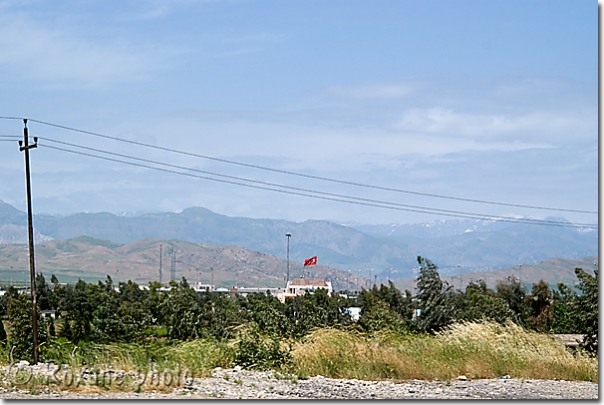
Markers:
(24, 146)
(173, 267)
(160, 263)
(288, 236)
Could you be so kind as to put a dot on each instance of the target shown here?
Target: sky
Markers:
(476, 100)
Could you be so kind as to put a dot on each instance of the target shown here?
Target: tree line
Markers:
(104, 312)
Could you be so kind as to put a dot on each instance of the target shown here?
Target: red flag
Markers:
(310, 262)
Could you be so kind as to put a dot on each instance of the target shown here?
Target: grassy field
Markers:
(475, 350)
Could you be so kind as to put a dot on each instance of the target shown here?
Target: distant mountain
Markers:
(429, 230)
(10, 234)
(388, 251)
(553, 271)
(337, 246)
(93, 259)
(476, 245)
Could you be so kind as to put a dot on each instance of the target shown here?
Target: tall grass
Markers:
(476, 350)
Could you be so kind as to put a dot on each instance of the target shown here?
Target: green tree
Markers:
(385, 308)
(513, 292)
(21, 327)
(480, 302)
(540, 301)
(587, 308)
(377, 315)
(76, 310)
(104, 300)
(436, 309)
(43, 292)
(181, 312)
(564, 310)
(268, 313)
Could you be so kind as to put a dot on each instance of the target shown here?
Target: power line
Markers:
(323, 196)
(352, 183)
(435, 210)
(12, 118)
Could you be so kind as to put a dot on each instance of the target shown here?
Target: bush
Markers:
(256, 352)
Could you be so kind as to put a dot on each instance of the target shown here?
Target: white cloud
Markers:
(374, 91)
(32, 50)
(157, 9)
(538, 125)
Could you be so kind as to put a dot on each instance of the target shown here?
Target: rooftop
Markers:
(314, 282)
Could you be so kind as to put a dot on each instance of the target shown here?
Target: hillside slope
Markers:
(93, 259)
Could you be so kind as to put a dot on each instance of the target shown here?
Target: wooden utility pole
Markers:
(24, 146)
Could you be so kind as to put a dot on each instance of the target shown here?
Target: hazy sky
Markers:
(488, 100)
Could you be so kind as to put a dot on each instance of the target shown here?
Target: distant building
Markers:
(354, 312)
(244, 291)
(300, 285)
(200, 287)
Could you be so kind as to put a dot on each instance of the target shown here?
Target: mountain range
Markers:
(390, 250)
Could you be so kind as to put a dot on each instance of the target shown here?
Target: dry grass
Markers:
(143, 367)
(476, 350)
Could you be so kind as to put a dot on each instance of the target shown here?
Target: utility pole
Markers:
(173, 268)
(160, 263)
(347, 277)
(25, 147)
(288, 236)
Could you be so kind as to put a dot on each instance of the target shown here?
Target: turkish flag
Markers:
(310, 262)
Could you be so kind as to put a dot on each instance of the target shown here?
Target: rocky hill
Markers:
(93, 259)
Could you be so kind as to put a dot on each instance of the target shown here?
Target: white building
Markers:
(300, 285)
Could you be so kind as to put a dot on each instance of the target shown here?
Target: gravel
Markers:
(243, 384)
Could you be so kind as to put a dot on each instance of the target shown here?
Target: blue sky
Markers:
(488, 100)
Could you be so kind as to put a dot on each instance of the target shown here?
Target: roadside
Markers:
(237, 383)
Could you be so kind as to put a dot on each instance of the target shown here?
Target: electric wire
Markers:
(436, 210)
(357, 184)
(324, 196)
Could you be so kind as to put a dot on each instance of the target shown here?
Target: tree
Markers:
(540, 302)
(513, 292)
(587, 308)
(76, 311)
(268, 313)
(436, 309)
(480, 302)
(21, 327)
(43, 292)
(385, 308)
(564, 310)
(181, 312)
(108, 325)
(377, 315)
